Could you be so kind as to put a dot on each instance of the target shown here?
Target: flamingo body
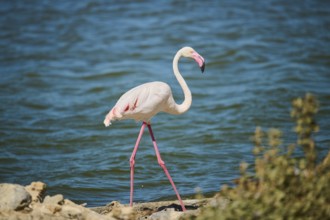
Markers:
(141, 103)
(145, 101)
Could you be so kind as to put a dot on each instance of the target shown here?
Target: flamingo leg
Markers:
(162, 164)
(132, 162)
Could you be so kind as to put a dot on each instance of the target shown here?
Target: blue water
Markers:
(63, 65)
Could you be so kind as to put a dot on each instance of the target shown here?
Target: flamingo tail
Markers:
(109, 117)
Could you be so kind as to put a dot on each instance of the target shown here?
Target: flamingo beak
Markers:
(200, 60)
(203, 67)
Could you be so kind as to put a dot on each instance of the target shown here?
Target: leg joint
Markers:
(161, 162)
(132, 162)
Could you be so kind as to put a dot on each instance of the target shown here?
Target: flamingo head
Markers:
(191, 53)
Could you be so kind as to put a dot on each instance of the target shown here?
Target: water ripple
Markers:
(63, 66)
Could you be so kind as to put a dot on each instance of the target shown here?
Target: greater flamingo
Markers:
(145, 101)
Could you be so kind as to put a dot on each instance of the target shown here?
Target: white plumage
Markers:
(141, 103)
(144, 101)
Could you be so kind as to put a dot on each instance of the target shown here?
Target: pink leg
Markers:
(132, 161)
(162, 164)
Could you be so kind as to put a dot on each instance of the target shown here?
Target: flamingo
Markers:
(145, 101)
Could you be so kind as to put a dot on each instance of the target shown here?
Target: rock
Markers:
(166, 214)
(72, 212)
(153, 210)
(123, 213)
(13, 197)
(69, 202)
(54, 200)
(36, 190)
(51, 204)
(116, 210)
(44, 209)
(90, 215)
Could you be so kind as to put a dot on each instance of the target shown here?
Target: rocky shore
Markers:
(31, 202)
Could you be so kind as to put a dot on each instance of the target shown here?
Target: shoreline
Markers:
(31, 202)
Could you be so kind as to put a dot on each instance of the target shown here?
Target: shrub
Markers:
(283, 185)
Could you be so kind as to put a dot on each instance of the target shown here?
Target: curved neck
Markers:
(185, 105)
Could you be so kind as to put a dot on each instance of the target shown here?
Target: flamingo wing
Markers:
(141, 103)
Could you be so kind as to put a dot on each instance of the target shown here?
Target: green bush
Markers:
(283, 185)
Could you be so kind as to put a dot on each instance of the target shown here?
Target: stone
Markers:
(36, 190)
(68, 202)
(54, 200)
(71, 212)
(166, 214)
(13, 197)
(122, 212)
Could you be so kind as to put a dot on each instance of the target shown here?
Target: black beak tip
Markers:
(203, 67)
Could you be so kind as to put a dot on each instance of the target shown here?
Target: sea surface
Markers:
(64, 64)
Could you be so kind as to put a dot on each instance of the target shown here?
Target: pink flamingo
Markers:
(145, 101)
